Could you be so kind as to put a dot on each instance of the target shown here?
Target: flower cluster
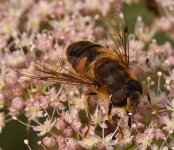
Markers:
(36, 31)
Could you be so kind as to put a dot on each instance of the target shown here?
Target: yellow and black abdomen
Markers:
(96, 62)
(81, 54)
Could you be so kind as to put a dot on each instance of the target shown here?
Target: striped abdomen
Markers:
(81, 54)
(99, 63)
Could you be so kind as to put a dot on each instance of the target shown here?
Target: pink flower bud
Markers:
(11, 77)
(77, 125)
(60, 124)
(49, 141)
(16, 106)
(71, 144)
(68, 132)
(17, 91)
(61, 142)
(17, 103)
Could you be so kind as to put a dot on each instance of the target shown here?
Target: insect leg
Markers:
(109, 111)
(146, 91)
(88, 114)
(149, 98)
(154, 109)
(109, 115)
(130, 121)
(111, 120)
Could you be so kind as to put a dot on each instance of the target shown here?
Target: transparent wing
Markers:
(51, 71)
(116, 36)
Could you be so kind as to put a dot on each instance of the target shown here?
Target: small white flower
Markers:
(127, 138)
(107, 142)
(26, 142)
(79, 103)
(159, 73)
(143, 140)
(33, 110)
(97, 119)
(89, 143)
(44, 128)
(168, 122)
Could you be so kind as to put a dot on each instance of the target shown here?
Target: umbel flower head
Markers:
(36, 34)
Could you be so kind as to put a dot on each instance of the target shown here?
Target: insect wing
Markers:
(52, 71)
(116, 36)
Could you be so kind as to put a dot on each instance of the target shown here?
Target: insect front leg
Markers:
(111, 120)
(130, 120)
(87, 110)
(109, 114)
(154, 109)
(146, 92)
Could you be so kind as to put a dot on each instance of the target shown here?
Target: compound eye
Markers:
(133, 100)
(119, 98)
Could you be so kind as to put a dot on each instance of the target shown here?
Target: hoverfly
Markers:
(104, 69)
